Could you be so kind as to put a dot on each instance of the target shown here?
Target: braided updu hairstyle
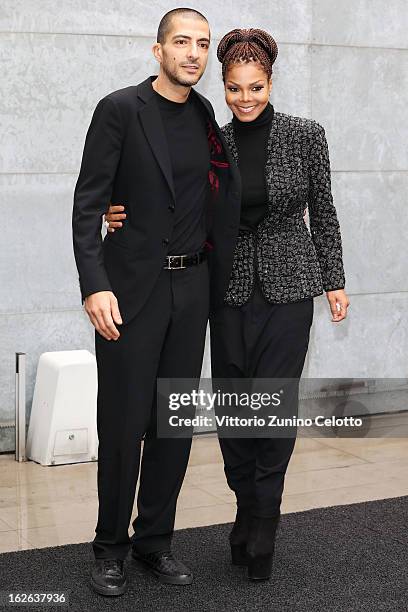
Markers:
(247, 45)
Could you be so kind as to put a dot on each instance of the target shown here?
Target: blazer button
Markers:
(165, 241)
(172, 208)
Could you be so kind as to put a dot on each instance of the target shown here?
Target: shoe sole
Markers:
(259, 578)
(162, 577)
(107, 591)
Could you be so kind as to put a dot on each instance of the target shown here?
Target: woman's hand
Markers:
(113, 216)
(339, 298)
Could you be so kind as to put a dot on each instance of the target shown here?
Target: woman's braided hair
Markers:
(247, 45)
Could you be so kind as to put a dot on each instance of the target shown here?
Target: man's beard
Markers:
(173, 78)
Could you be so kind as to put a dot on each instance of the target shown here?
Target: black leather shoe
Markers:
(165, 567)
(108, 577)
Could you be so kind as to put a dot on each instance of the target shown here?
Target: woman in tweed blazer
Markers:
(262, 329)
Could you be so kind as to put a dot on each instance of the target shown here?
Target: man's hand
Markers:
(103, 311)
(114, 215)
(338, 297)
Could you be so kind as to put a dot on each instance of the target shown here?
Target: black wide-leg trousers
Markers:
(259, 340)
(166, 339)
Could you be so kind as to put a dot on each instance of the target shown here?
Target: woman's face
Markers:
(247, 90)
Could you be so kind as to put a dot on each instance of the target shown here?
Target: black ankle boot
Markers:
(239, 536)
(261, 546)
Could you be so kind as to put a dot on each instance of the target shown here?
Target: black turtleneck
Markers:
(251, 139)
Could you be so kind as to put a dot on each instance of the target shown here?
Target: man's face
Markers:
(183, 56)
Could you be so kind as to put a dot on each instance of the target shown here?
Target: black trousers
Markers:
(166, 339)
(259, 340)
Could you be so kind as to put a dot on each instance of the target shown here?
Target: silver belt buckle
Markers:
(173, 257)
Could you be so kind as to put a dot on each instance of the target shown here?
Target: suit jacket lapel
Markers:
(152, 124)
(153, 127)
(229, 152)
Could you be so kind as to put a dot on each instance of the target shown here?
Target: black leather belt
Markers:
(178, 262)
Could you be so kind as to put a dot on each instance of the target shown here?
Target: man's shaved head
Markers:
(165, 23)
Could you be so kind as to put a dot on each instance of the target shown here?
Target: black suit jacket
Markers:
(126, 160)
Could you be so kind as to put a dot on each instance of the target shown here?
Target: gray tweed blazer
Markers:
(291, 262)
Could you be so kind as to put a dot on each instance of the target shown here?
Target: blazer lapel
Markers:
(152, 124)
(230, 140)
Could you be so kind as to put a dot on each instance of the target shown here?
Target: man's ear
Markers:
(157, 52)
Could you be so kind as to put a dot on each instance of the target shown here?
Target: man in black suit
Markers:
(156, 148)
